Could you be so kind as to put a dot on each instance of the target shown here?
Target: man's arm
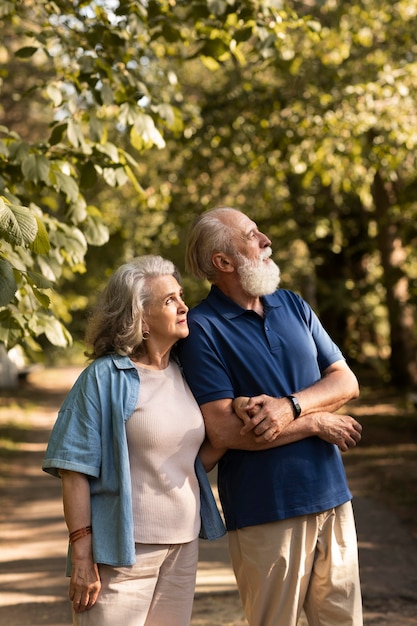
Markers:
(272, 419)
(271, 415)
(224, 429)
(337, 386)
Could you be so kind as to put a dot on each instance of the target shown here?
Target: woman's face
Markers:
(166, 316)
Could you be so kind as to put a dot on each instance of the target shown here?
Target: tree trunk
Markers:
(403, 367)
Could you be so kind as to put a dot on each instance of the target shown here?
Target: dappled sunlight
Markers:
(382, 472)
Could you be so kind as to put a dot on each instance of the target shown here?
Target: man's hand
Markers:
(343, 430)
(265, 415)
(268, 417)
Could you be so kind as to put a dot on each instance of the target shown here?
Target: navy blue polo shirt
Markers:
(231, 352)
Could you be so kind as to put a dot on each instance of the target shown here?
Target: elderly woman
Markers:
(125, 445)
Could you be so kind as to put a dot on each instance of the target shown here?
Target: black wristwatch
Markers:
(295, 406)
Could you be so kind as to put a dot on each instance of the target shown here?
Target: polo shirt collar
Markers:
(228, 309)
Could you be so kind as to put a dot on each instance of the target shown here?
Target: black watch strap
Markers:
(295, 406)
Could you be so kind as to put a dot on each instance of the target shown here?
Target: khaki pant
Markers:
(308, 562)
(157, 591)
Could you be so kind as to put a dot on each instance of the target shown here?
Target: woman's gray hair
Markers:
(208, 234)
(116, 322)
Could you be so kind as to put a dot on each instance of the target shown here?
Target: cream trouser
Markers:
(308, 562)
(157, 591)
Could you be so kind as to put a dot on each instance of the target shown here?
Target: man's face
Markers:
(247, 239)
(259, 275)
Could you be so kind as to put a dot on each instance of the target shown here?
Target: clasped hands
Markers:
(269, 417)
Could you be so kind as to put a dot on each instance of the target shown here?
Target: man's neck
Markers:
(243, 299)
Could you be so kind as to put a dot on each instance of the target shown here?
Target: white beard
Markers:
(256, 277)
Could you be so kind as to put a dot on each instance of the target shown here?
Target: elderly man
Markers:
(268, 379)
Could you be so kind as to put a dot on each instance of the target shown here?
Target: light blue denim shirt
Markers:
(89, 436)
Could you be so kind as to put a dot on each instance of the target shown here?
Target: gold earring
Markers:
(145, 335)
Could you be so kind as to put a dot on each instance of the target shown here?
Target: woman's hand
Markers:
(85, 584)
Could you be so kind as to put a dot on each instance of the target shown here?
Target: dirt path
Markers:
(33, 589)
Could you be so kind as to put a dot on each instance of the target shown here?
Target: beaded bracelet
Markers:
(77, 534)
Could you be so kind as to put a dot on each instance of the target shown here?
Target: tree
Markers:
(94, 76)
(316, 138)
(90, 81)
(300, 112)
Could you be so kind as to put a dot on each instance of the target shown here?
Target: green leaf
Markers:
(26, 52)
(42, 298)
(172, 116)
(115, 176)
(215, 48)
(78, 210)
(110, 150)
(217, 7)
(71, 241)
(74, 134)
(244, 34)
(36, 168)
(144, 133)
(67, 185)
(170, 33)
(88, 177)
(55, 94)
(57, 134)
(17, 224)
(10, 330)
(8, 285)
(38, 280)
(41, 244)
(95, 231)
(4, 150)
(55, 332)
(107, 94)
(50, 266)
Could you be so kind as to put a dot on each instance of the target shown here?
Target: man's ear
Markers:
(222, 262)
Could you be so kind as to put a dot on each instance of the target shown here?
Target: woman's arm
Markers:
(209, 455)
(85, 582)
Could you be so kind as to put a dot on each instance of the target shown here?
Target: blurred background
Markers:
(120, 121)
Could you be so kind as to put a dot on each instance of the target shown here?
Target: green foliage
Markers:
(314, 136)
(99, 93)
(122, 120)
(86, 76)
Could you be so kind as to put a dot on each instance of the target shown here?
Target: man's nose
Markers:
(264, 241)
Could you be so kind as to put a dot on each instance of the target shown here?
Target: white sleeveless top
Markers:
(164, 435)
